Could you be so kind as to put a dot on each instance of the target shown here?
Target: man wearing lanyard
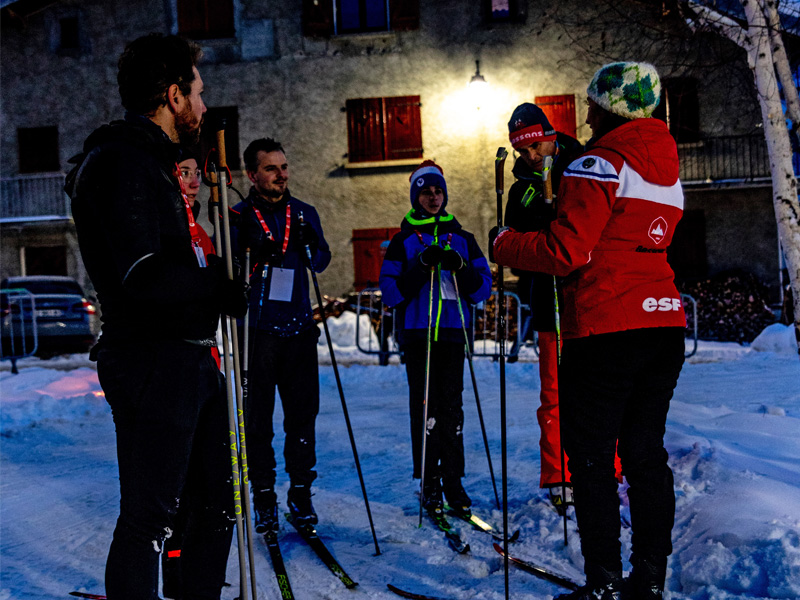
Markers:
(161, 300)
(277, 228)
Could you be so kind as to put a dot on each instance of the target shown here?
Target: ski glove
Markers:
(234, 294)
(431, 256)
(270, 251)
(493, 233)
(235, 297)
(452, 260)
(307, 236)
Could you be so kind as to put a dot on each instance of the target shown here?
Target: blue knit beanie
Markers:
(428, 173)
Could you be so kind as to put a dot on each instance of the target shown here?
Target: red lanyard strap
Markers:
(189, 215)
(285, 233)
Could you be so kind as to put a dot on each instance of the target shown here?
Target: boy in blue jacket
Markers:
(433, 248)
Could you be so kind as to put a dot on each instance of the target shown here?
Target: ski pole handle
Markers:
(547, 180)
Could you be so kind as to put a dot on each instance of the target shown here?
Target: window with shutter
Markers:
(323, 18)
(206, 19)
(680, 108)
(383, 129)
(560, 111)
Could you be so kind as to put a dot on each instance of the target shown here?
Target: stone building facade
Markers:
(298, 71)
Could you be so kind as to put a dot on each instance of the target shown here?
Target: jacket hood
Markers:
(134, 130)
(647, 146)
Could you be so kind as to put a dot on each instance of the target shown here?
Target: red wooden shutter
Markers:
(317, 18)
(365, 129)
(206, 19)
(404, 15)
(560, 111)
(403, 128)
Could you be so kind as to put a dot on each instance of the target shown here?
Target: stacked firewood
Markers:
(731, 307)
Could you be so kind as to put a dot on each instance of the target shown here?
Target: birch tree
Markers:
(761, 39)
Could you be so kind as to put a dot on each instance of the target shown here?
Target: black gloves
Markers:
(452, 261)
(234, 294)
(307, 236)
(431, 256)
(270, 251)
(235, 297)
(493, 233)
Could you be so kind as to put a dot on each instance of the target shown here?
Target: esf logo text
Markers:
(663, 305)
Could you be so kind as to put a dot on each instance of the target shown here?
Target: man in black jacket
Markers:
(534, 138)
(161, 302)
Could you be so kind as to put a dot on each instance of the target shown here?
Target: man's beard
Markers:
(187, 126)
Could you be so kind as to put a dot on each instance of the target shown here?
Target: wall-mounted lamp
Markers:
(478, 82)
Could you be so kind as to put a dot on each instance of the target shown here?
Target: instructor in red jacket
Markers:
(622, 324)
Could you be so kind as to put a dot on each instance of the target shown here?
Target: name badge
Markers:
(201, 256)
(281, 285)
(448, 290)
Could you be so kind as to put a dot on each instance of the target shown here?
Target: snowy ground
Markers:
(733, 436)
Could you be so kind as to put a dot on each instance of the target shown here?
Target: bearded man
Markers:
(161, 298)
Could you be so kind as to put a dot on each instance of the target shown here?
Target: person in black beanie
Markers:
(533, 138)
(432, 246)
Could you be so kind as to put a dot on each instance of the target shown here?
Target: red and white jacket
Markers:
(618, 205)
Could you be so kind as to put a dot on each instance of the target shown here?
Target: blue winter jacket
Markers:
(406, 283)
(279, 317)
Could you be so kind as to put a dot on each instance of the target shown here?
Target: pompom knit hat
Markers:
(428, 173)
(629, 89)
(529, 124)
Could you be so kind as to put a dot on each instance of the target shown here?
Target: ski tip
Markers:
(514, 536)
(498, 548)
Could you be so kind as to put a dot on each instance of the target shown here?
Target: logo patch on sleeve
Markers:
(658, 230)
(588, 163)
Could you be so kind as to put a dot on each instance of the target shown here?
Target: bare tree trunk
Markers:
(782, 67)
(757, 42)
(784, 182)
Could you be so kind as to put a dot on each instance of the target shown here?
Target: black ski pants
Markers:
(618, 386)
(290, 365)
(171, 417)
(444, 449)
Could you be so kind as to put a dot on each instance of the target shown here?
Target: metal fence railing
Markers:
(381, 341)
(483, 326)
(19, 335)
(33, 196)
(740, 158)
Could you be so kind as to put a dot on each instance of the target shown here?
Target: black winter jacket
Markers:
(134, 238)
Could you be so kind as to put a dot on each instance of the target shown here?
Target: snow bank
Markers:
(776, 338)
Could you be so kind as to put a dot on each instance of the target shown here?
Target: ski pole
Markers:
(226, 362)
(499, 165)
(468, 352)
(425, 399)
(237, 369)
(547, 184)
(341, 393)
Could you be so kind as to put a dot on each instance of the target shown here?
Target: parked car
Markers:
(66, 320)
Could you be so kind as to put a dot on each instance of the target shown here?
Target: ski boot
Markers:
(432, 499)
(457, 497)
(600, 585)
(265, 504)
(299, 502)
(559, 503)
(646, 581)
